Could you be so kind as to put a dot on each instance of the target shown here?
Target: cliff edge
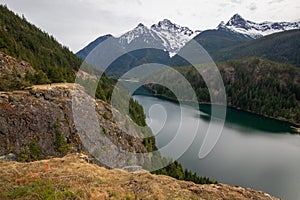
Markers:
(72, 177)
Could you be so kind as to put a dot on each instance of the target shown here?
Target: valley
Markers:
(68, 130)
(252, 151)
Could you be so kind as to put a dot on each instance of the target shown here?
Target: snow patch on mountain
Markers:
(173, 35)
(139, 33)
(257, 30)
(165, 34)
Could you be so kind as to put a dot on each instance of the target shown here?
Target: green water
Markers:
(253, 151)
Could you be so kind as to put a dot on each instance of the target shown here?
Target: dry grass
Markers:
(52, 85)
(73, 178)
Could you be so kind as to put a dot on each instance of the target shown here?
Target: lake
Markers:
(253, 151)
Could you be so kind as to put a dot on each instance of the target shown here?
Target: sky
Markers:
(75, 23)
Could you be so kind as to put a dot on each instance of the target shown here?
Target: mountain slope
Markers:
(252, 84)
(72, 177)
(24, 41)
(28, 45)
(213, 41)
(86, 50)
(281, 47)
(224, 44)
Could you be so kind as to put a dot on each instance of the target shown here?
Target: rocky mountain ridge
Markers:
(164, 35)
(256, 30)
(172, 37)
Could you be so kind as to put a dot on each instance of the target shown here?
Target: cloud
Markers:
(77, 22)
(275, 1)
(252, 7)
(179, 12)
(222, 5)
(139, 2)
(236, 1)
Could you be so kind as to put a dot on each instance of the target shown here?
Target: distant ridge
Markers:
(172, 37)
(256, 30)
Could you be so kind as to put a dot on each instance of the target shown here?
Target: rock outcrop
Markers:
(38, 123)
(13, 72)
(10, 65)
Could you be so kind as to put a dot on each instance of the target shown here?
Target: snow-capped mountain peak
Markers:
(256, 30)
(174, 36)
(140, 32)
(165, 34)
(140, 28)
(221, 25)
(239, 22)
(167, 25)
(140, 25)
(164, 24)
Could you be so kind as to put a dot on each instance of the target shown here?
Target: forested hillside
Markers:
(254, 84)
(223, 45)
(281, 47)
(24, 41)
(48, 61)
(51, 61)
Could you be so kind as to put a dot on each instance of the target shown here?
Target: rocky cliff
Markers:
(38, 123)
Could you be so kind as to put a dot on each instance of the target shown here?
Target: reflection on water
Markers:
(253, 151)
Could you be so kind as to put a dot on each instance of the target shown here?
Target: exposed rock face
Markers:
(12, 72)
(9, 65)
(32, 122)
(87, 181)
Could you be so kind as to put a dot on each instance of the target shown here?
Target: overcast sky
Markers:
(75, 23)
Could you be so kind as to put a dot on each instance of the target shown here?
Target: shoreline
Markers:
(294, 126)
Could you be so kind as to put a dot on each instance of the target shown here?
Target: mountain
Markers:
(240, 38)
(164, 35)
(224, 44)
(281, 47)
(257, 30)
(213, 41)
(232, 40)
(174, 36)
(164, 40)
(85, 51)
